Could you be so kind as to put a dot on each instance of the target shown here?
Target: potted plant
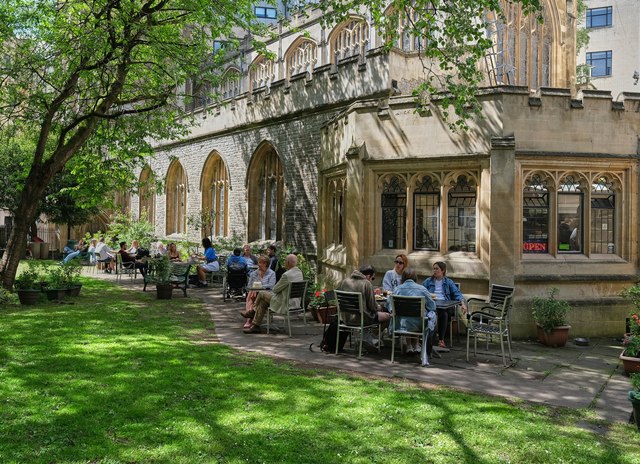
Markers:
(27, 287)
(634, 397)
(56, 283)
(71, 271)
(550, 315)
(316, 300)
(162, 278)
(630, 357)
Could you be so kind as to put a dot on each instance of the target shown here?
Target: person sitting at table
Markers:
(236, 262)
(275, 299)
(173, 253)
(105, 255)
(128, 261)
(409, 287)
(133, 249)
(92, 251)
(266, 277)
(360, 281)
(211, 262)
(393, 276)
(160, 250)
(251, 259)
(445, 289)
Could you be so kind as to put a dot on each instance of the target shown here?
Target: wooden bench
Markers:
(179, 276)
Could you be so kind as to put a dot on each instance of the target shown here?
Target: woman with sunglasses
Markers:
(393, 277)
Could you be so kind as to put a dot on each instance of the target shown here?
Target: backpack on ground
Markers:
(328, 343)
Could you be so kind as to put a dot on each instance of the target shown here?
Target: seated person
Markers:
(160, 250)
(127, 259)
(92, 251)
(393, 276)
(276, 298)
(211, 262)
(105, 255)
(133, 249)
(236, 262)
(360, 281)
(251, 259)
(173, 253)
(68, 248)
(409, 287)
(445, 289)
(80, 250)
(263, 274)
(273, 257)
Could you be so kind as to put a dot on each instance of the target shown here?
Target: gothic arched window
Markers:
(147, 195)
(176, 198)
(215, 194)
(265, 185)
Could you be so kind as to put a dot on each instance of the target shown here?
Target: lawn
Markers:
(118, 377)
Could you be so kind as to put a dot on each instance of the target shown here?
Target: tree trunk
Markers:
(26, 214)
(16, 244)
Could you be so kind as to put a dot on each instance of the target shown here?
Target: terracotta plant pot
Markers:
(629, 364)
(324, 313)
(314, 312)
(556, 338)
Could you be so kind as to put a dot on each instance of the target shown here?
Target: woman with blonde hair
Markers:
(393, 277)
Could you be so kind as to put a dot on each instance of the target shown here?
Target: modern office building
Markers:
(613, 52)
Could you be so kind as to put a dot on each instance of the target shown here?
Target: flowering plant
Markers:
(635, 382)
(632, 339)
(318, 298)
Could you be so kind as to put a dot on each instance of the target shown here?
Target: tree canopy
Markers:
(85, 84)
(94, 80)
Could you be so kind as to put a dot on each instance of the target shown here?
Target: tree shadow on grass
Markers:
(116, 377)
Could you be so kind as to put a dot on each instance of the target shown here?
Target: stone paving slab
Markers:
(573, 376)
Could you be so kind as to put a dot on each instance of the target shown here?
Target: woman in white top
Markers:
(263, 274)
(393, 277)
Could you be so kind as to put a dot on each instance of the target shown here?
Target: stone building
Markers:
(322, 148)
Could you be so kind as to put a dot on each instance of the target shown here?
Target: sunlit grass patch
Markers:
(120, 377)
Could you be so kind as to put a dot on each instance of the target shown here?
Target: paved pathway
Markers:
(573, 376)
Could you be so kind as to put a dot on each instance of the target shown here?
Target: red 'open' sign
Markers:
(534, 247)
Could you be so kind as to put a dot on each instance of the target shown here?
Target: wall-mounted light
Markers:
(636, 77)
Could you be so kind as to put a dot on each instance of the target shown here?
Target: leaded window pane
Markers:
(394, 213)
(570, 199)
(603, 208)
(462, 217)
(535, 217)
(426, 223)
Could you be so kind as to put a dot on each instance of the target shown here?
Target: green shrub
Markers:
(28, 279)
(550, 312)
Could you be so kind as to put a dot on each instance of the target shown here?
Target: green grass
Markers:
(118, 377)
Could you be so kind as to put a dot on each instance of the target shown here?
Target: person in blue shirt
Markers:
(409, 287)
(445, 289)
(236, 261)
(211, 262)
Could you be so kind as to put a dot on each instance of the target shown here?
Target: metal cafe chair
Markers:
(351, 316)
(296, 290)
(491, 320)
(405, 306)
